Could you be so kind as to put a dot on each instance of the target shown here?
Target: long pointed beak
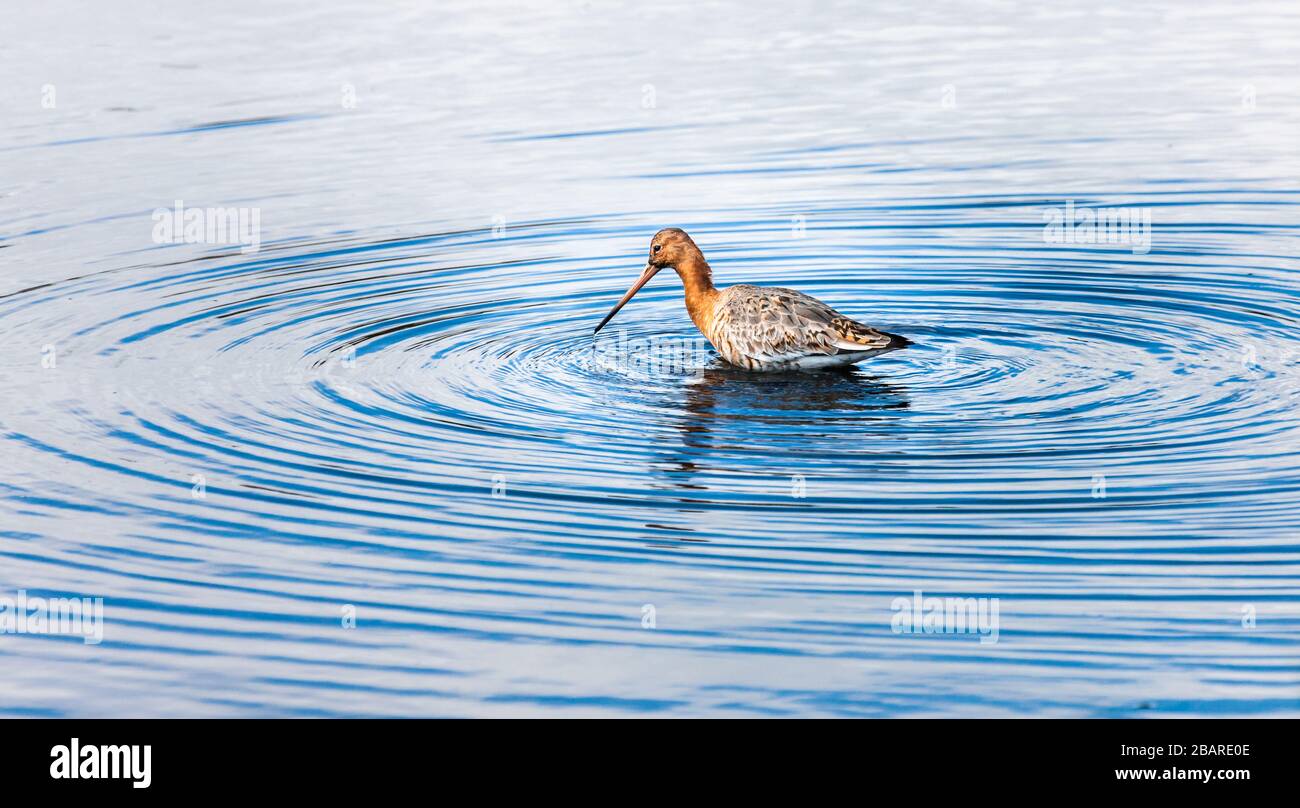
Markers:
(650, 271)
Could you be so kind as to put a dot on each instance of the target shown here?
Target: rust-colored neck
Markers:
(697, 280)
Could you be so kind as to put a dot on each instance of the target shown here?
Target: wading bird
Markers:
(760, 327)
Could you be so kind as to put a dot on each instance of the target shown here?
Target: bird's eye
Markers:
(657, 246)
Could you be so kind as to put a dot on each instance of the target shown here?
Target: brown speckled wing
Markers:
(756, 324)
(851, 331)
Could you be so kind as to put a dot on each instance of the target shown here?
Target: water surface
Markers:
(395, 408)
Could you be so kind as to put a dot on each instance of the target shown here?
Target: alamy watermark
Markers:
(182, 225)
(77, 761)
(655, 354)
(946, 615)
(1130, 227)
(82, 617)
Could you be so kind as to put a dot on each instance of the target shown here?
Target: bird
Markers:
(759, 328)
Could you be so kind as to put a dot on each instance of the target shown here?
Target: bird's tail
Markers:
(897, 341)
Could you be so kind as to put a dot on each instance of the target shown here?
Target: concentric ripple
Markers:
(425, 429)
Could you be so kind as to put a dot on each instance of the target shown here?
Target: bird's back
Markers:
(769, 327)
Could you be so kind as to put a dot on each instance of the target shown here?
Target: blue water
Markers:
(395, 408)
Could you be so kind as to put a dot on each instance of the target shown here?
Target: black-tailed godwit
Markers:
(760, 327)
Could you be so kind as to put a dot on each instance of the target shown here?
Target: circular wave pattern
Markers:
(237, 449)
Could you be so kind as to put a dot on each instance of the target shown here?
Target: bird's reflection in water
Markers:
(727, 415)
(721, 395)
